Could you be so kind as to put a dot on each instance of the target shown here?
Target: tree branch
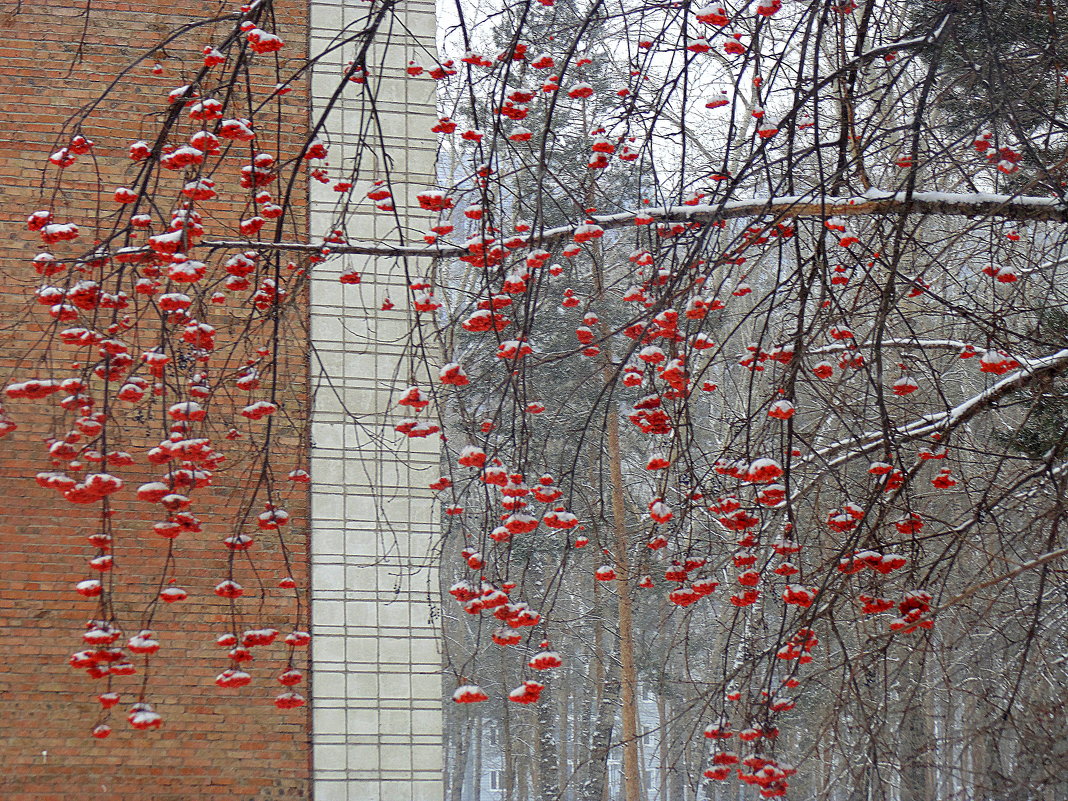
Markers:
(929, 424)
(874, 202)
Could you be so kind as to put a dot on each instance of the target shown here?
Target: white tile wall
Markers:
(376, 693)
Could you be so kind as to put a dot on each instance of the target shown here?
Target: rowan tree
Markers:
(744, 345)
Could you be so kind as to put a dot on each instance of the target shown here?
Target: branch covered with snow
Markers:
(844, 450)
(873, 202)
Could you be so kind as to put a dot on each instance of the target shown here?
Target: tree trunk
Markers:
(507, 752)
(563, 729)
(545, 746)
(476, 757)
(459, 766)
(628, 680)
(916, 745)
(596, 784)
(628, 677)
(522, 785)
(662, 749)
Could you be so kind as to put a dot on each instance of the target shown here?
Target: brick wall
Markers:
(214, 744)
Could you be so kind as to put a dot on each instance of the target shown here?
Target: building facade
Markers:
(359, 544)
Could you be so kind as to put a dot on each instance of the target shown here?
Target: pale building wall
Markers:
(376, 688)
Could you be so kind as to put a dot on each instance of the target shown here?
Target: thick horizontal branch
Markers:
(939, 344)
(1019, 208)
(358, 249)
(1023, 568)
(844, 450)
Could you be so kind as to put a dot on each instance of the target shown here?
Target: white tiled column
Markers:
(376, 688)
